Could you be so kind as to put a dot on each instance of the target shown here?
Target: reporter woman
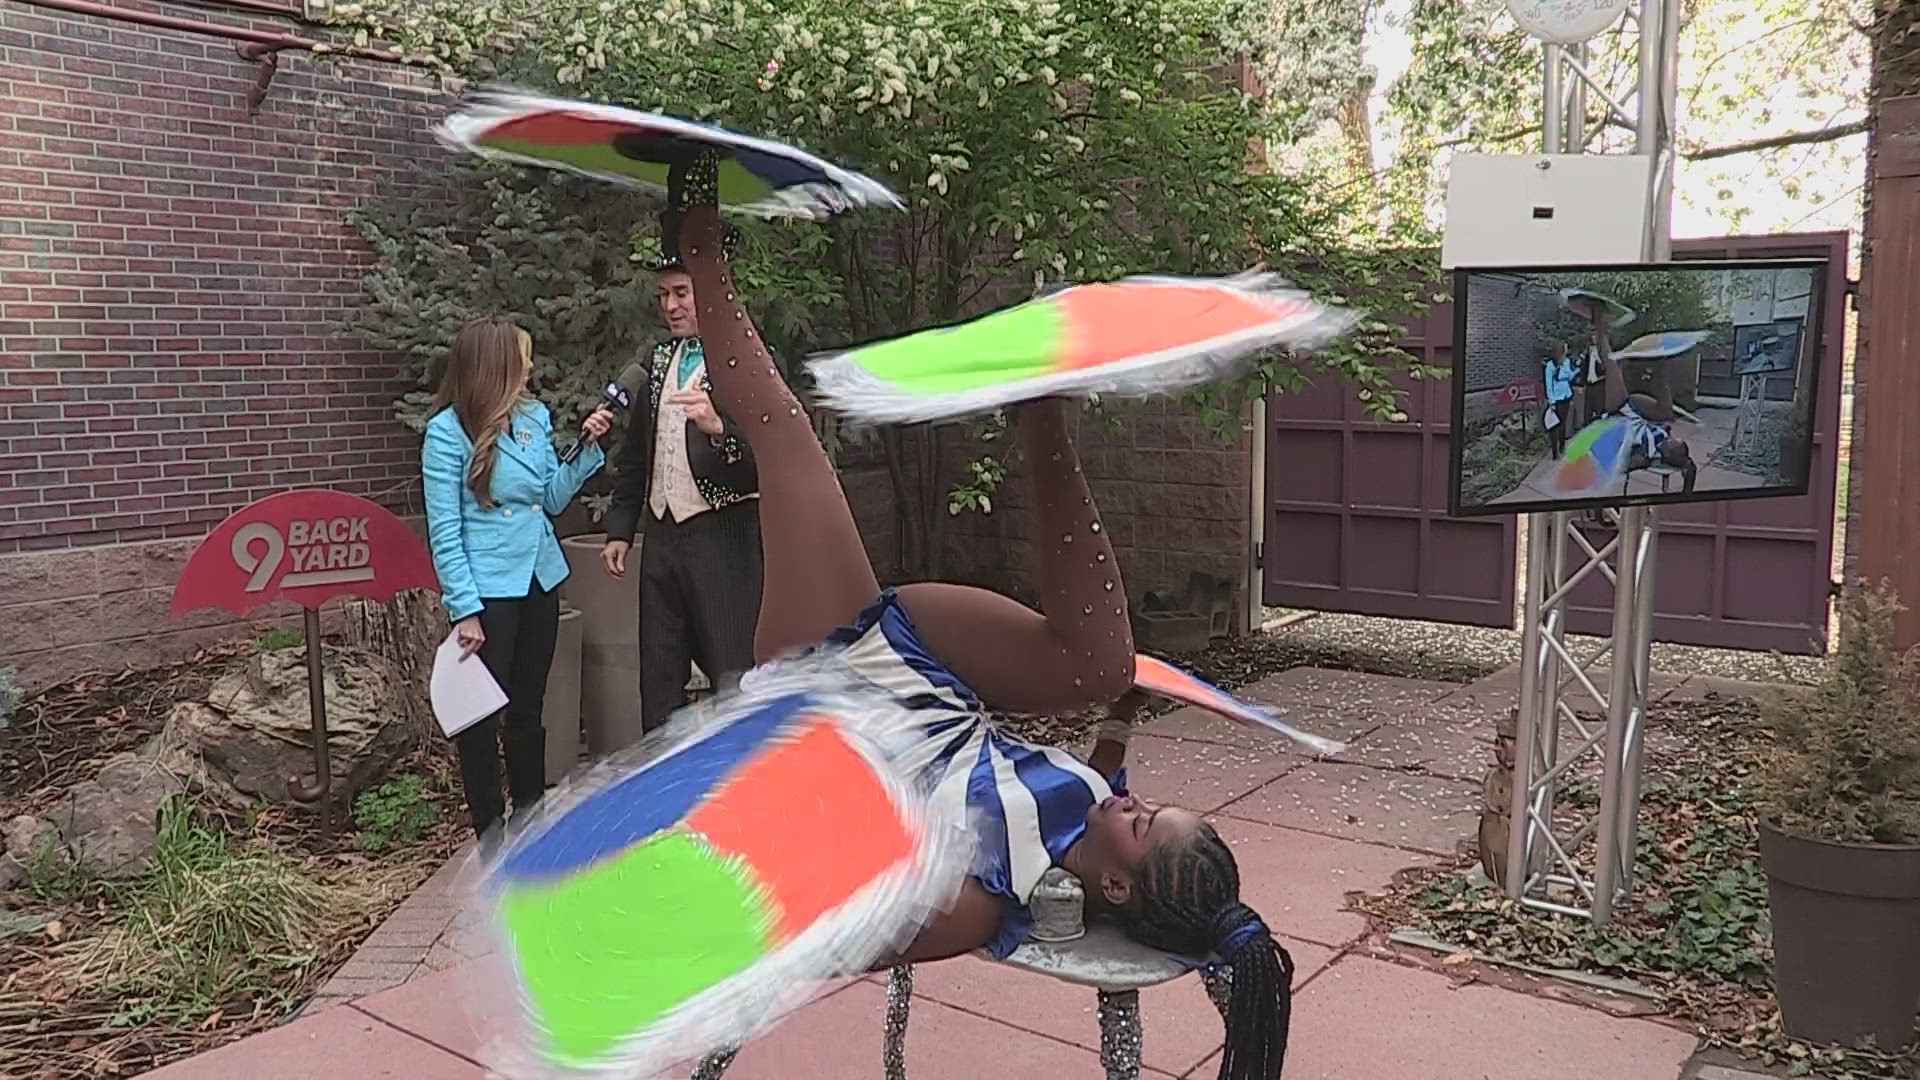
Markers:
(493, 482)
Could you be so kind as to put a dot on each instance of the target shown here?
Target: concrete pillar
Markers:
(562, 713)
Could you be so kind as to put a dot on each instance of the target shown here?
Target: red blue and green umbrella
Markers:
(1662, 345)
(685, 898)
(1134, 337)
(759, 177)
(1595, 459)
(1617, 314)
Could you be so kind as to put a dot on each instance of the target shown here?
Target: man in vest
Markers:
(686, 482)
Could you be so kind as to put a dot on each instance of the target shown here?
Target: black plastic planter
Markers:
(1846, 938)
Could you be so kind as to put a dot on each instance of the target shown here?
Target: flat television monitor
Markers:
(1577, 387)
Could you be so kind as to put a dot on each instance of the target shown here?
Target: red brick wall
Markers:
(172, 271)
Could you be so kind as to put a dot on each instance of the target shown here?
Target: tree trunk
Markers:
(405, 631)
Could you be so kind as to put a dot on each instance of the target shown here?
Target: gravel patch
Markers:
(1450, 653)
(1408, 649)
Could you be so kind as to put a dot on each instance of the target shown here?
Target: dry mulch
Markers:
(60, 735)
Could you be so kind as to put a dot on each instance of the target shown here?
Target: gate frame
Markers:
(1430, 420)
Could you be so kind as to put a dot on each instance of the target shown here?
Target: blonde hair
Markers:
(484, 384)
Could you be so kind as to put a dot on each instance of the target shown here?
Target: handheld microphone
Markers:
(618, 395)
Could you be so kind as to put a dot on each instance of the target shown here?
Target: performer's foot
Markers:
(694, 184)
(694, 181)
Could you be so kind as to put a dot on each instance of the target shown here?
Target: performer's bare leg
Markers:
(1614, 379)
(818, 578)
(1077, 651)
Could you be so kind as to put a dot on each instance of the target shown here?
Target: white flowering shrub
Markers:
(1035, 141)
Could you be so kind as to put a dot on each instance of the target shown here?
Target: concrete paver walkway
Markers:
(1306, 832)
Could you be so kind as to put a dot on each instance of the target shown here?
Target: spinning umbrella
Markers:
(1159, 677)
(1594, 459)
(1619, 314)
(1134, 337)
(1664, 345)
(757, 176)
(685, 897)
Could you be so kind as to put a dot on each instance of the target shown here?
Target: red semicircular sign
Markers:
(308, 546)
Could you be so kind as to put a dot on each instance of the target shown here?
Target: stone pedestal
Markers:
(609, 643)
(562, 713)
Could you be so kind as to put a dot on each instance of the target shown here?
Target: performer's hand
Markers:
(597, 424)
(468, 632)
(1128, 706)
(614, 557)
(700, 410)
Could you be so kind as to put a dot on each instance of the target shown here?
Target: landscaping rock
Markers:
(21, 844)
(253, 736)
(109, 823)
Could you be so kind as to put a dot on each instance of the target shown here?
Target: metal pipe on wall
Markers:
(260, 7)
(1257, 521)
(256, 44)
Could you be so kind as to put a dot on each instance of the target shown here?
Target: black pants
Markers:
(518, 653)
(699, 603)
(1562, 412)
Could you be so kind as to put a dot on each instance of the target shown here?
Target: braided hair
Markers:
(1188, 902)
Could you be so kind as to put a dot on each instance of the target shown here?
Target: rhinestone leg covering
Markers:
(715, 1064)
(893, 1052)
(1219, 983)
(1120, 1034)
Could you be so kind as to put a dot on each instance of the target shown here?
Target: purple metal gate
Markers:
(1357, 510)
(1752, 574)
(1357, 521)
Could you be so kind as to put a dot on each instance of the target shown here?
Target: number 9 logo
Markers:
(260, 567)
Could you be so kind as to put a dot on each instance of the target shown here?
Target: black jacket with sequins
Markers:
(723, 468)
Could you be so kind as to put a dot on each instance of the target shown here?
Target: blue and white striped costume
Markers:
(1028, 803)
(1644, 435)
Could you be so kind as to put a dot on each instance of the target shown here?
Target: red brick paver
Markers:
(1304, 832)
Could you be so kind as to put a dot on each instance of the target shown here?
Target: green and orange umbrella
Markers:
(1134, 337)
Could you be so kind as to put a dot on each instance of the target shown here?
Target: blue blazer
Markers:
(498, 553)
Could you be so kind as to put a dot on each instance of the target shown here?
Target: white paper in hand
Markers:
(462, 690)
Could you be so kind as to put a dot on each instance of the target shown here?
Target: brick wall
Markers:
(172, 270)
(1502, 311)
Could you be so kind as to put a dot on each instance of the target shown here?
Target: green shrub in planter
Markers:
(1840, 837)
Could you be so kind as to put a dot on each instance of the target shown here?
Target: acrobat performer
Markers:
(956, 654)
(1652, 439)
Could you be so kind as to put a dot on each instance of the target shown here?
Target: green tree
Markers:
(1034, 143)
(1772, 96)
(1660, 300)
